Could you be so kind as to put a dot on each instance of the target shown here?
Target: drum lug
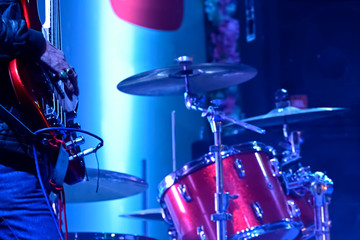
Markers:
(294, 210)
(165, 214)
(183, 192)
(239, 168)
(201, 233)
(172, 233)
(221, 217)
(257, 210)
(275, 167)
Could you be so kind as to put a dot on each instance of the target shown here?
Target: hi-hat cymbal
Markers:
(202, 78)
(288, 115)
(112, 185)
(147, 214)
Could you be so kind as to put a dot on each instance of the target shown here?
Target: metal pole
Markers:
(144, 198)
(321, 188)
(221, 199)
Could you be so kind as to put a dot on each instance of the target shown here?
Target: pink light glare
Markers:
(164, 15)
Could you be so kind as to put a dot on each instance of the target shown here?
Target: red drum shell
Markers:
(305, 205)
(259, 185)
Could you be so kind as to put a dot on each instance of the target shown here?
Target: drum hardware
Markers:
(215, 118)
(308, 193)
(270, 186)
(257, 210)
(239, 168)
(294, 210)
(297, 181)
(291, 146)
(302, 179)
(184, 194)
(322, 188)
(173, 142)
(112, 185)
(221, 199)
(275, 167)
(172, 233)
(201, 233)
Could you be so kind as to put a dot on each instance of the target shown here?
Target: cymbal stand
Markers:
(322, 188)
(292, 145)
(215, 118)
(318, 183)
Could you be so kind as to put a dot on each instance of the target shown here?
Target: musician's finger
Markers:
(73, 79)
(69, 77)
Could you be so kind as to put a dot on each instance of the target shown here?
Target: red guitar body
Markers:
(35, 91)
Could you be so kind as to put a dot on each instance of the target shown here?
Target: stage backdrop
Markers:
(104, 50)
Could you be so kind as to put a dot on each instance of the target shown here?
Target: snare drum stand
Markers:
(215, 118)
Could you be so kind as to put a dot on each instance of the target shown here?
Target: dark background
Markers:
(309, 48)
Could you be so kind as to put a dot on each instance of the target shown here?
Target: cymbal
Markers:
(279, 116)
(147, 214)
(112, 185)
(105, 235)
(202, 78)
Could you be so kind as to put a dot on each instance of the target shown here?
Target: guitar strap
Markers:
(61, 167)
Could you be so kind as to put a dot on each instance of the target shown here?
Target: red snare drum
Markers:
(260, 210)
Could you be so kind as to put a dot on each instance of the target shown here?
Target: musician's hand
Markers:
(55, 60)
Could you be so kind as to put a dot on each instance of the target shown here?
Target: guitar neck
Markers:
(52, 26)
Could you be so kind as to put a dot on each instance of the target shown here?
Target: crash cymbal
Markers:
(202, 78)
(112, 185)
(279, 116)
(147, 214)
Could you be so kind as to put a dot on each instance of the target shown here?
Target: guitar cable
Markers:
(61, 191)
(45, 195)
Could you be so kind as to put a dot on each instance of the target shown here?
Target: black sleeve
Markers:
(15, 38)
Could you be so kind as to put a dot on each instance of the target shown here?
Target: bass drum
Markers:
(98, 236)
(258, 207)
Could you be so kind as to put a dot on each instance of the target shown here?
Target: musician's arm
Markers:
(15, 38)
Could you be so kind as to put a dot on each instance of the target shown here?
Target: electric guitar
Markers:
(40, 92)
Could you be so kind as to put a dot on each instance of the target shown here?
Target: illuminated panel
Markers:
(116, 43)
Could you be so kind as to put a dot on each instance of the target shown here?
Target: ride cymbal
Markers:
(112, 185)
(202, 78)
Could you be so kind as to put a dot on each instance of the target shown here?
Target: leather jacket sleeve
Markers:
(15, 38)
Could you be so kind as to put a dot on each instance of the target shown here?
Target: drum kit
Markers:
(243, 191)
